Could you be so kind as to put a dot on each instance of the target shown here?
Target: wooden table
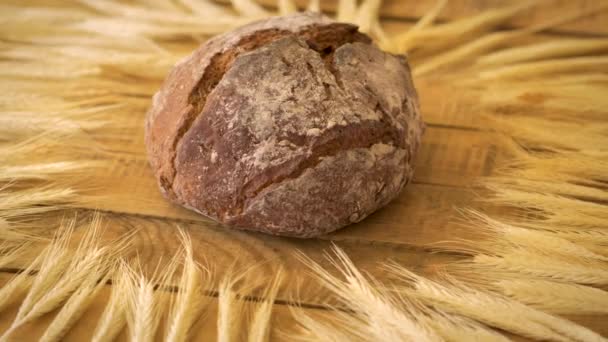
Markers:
(457, 150)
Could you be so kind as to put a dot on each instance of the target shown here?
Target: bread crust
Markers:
(292, 126)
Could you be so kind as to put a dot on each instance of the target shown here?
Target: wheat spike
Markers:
(75, 306)
(565, 269)
(21, 283)
(44, 170)
(230, 307)
(380, 316)
(259, 330)
(66, 276)
(16, 247)
(465, 51)
(53, 262)
(145, 304)
(328, 326)
(114, 318)
(509, 237)
(493, 309)
(457, 328)
(33, 201)
(562, 298)
(190, 301)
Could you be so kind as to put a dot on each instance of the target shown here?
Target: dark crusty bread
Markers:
(292, 126)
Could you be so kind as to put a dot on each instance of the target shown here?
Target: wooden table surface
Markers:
(457, 150)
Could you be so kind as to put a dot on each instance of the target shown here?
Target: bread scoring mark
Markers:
(212, 75)
(353, 192)
(373, 135)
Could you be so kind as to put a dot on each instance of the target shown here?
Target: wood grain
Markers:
(156, 240)
(204, 330)
(282, 320)
(450, 162)
(457, 150)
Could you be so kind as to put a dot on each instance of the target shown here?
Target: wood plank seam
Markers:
(325, 238)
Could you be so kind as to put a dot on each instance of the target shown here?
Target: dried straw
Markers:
(549, 258)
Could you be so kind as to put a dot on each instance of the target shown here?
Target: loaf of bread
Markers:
(292, 126)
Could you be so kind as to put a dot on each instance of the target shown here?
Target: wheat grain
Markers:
(259, 330)
(145, 305)
(335, 326)
(562, 298)
(53, 262)
(75, 306)
(493, 309)
(230, 310)
(113, 318)
(20, 284)
(75, 276)
(190, 301)
(505, 237)
(383, 318)
(571, 270)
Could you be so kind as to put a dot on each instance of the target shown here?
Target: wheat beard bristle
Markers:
(109, 59)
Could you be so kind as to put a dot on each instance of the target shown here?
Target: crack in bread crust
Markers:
(346, 138)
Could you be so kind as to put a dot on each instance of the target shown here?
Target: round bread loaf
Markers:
(292, 126)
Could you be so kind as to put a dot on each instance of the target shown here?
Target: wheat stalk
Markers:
(459, 30)
(249, 8)
(119, 53)
(559, 48)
